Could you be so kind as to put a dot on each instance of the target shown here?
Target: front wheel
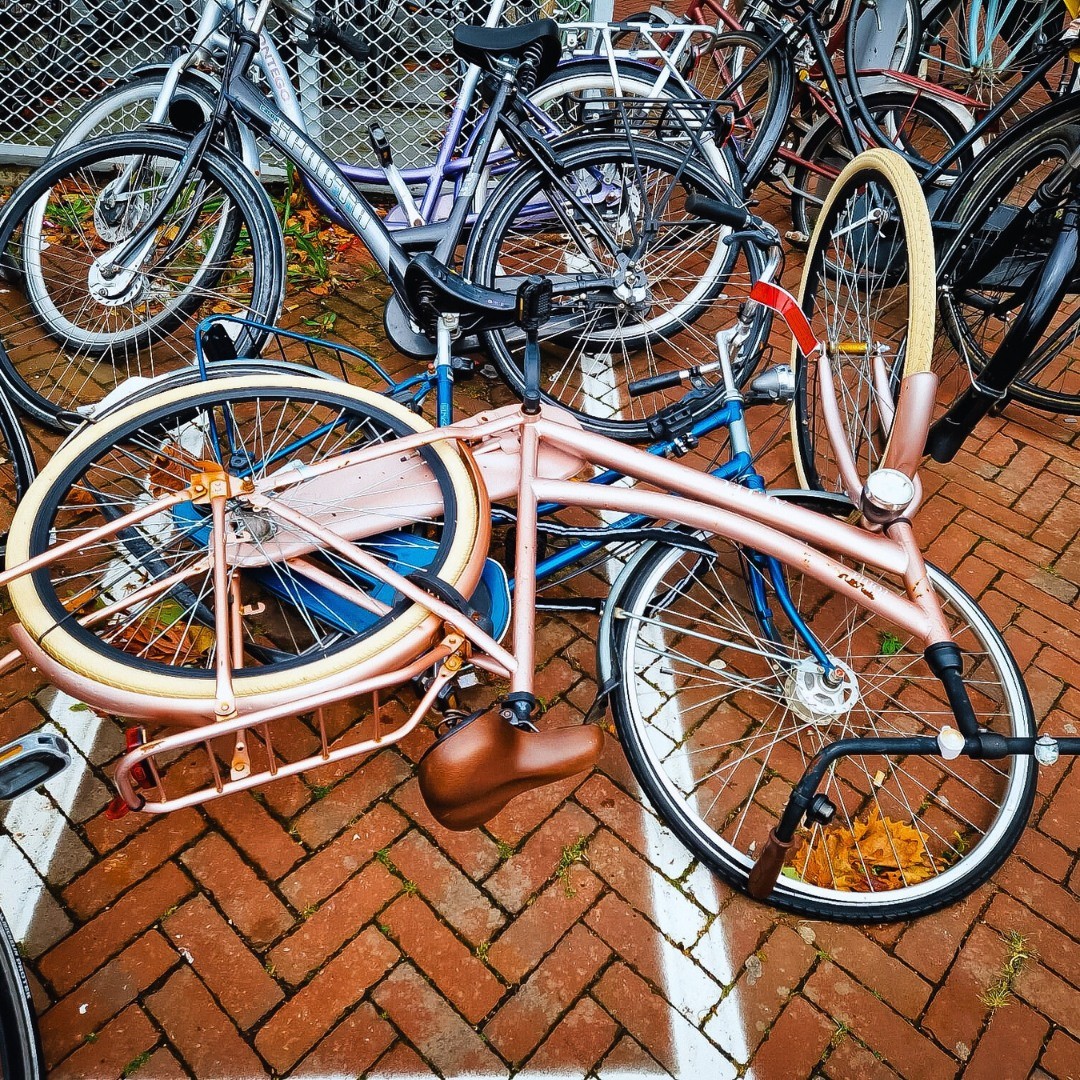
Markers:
(720, 708)
(641, 283)
(104, 282)
(868, 291)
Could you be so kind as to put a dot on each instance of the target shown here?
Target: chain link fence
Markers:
(56, 55)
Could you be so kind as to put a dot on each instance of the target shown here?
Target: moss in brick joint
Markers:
(135, 1064)
(1016, 956)
(572, 853)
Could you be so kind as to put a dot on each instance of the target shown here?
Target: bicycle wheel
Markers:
(982, 49)
(129, 105)
(615, 212)
(918, 126)
(17, 466)
(742, 67)
(1004, 234)
(21, 1057)
(713, 711)
(76, 324)
(868, 291)
(415, 510)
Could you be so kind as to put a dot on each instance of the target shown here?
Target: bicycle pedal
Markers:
(465, 367)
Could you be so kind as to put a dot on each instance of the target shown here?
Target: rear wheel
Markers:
(616, 214)
(982, 48)
(917, 125)
(309, 613)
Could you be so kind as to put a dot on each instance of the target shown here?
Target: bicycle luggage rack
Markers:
(665, 120)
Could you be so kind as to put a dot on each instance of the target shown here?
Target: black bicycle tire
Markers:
(761, 150)
(973, 197)
(252, 205)
(21, 1055)
(677, 821)
(498, 214)
(818, 140)
(858, 103)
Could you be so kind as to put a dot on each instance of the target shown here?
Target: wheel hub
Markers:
(117, 217)
(816, 699)
(119, 289)
(248, 524)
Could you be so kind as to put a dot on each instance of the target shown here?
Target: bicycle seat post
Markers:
(446, 329)
(533, 310)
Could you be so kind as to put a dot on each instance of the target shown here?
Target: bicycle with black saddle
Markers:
(115, 250)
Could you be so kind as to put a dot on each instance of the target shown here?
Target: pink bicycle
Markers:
(823, 718)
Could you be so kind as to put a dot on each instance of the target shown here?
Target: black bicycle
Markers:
(116, 249)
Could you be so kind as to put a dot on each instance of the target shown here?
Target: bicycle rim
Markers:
(868, 291)
(713, 710)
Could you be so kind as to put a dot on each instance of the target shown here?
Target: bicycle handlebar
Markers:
(353, 43)
(322, 26)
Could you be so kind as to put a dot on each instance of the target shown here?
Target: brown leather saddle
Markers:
(470, 773)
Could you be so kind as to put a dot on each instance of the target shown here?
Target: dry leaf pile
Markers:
(160, 634)
(872, 854)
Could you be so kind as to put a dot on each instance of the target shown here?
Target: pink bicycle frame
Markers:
(532, 458)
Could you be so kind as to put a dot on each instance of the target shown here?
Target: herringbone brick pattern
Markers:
(330, 928)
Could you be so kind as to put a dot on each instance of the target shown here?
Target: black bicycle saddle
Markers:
(482, 44)
(432, 289)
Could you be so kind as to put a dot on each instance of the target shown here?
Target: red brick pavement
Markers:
(331, 928)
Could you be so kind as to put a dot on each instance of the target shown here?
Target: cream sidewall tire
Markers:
(100, 666)
(918, 353)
